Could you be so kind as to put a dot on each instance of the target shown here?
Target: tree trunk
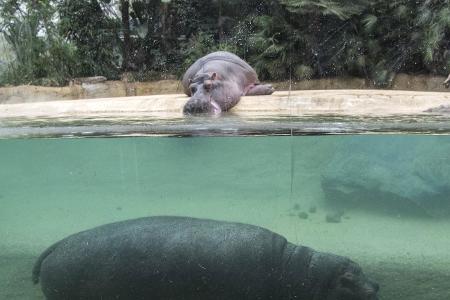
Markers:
(165, 29)
(125, 11)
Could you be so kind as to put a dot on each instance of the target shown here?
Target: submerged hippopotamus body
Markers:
(170, 258)
(217, 81)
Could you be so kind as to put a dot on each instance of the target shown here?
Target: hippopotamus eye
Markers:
(193, 89)
(347, 280)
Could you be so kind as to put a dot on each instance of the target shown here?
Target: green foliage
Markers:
(309, 38)
(304, 72)
(434, 22)
(272, 48)
(374, 39)
(342, 9)
(201, 44)
(55, 40)
(40, 55)
(93, 29)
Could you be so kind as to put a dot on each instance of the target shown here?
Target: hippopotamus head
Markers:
(331, 277)
(206, 93)
(352, 284)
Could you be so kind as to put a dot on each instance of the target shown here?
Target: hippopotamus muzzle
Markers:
(353, 284)
(203, 89)
(201, 106)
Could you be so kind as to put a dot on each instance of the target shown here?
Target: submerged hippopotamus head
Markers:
(333, 277)
(353, 285)
(206, 93)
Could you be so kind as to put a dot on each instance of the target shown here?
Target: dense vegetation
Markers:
(53, 41)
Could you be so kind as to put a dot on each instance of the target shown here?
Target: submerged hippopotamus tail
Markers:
(37, 266)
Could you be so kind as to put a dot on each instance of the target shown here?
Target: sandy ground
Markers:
(52, 188)
(284, 103)
(89, 89)
(407, 261)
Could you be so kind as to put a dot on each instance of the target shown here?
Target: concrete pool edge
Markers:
(310, 102)
(284, 112)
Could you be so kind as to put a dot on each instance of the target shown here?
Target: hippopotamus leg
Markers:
(259, 89)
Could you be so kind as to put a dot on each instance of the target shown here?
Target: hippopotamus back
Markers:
(221, 60)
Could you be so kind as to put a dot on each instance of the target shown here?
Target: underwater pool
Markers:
(382, 200)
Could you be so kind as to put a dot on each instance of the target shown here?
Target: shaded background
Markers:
(49, 42)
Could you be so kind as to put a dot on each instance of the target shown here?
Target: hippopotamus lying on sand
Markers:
(217, 81)
(169, 258)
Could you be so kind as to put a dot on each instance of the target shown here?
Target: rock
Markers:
(391, 175)
(303, 215)
(334, 217)
(89, 80)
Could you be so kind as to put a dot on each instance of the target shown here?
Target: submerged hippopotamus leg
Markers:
(216, 82)
(162, 258)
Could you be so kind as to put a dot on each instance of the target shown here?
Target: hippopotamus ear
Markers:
(213, 76)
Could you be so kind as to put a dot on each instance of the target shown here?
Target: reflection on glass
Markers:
(380, 200)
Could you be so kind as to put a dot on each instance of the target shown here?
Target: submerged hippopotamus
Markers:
(217, 81)
(163, 258)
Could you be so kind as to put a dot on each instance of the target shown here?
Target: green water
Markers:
(393, 192)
